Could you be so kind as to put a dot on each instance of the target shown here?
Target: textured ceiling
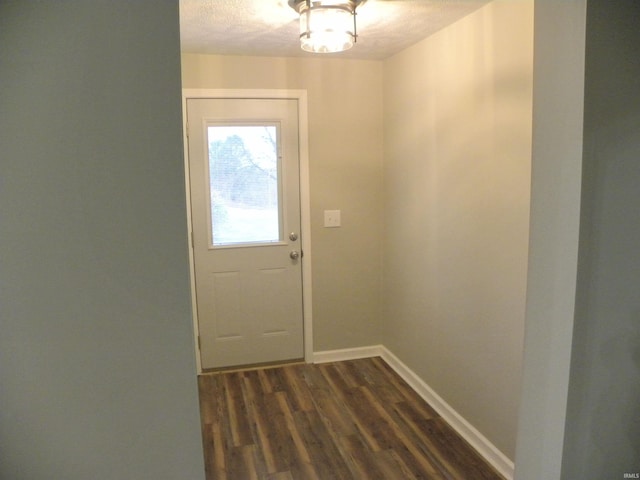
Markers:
(270, 27)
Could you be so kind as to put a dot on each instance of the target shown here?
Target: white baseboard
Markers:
(347, 354)
(478, 441)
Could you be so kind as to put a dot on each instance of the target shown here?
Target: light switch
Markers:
(332, 218)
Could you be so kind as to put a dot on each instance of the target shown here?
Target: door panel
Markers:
(244, 175)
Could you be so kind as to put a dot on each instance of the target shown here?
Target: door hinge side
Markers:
(192, 242)
(199, 344)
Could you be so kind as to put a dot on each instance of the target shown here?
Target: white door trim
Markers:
(305, 200)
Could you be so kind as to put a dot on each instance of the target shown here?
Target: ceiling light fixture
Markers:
(326, 26)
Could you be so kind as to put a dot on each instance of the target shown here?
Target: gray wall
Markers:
(97, 371)
(603, 416)
(579, 415)
(559, 31)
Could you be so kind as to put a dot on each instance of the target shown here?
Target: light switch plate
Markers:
(332, 218)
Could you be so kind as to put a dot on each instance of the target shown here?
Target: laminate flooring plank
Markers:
(374, 425)
(207, 398)
(276, 378)
(217, 456)
(239, 464)
(280, 476)
(335, 416)
(350, 374)
(264, 381)
(208, 445)
(313, 377)
(304, 471)
(280, 442)
(379, 383)
(255, 462)
(299, 392)
(237, 410)
(252, 386)
(361, 418)
(259, 421)
(362, 369)
(223, 438)
(302, 454)
(325, 456)
(360, 459)
(393, 466)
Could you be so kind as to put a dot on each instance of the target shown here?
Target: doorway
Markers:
(247, 186)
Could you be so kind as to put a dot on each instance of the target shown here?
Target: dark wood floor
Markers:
(345, 420)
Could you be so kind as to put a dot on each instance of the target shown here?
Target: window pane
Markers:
(244, 186)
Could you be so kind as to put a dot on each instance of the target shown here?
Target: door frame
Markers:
(305, 200)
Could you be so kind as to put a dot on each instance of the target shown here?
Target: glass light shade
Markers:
(326, 28)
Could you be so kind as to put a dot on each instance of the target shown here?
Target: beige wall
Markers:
(345, 150)
(457, 122)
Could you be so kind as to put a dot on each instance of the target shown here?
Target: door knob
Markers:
(294, 254)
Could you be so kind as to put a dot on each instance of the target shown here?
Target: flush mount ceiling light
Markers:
(326, 26)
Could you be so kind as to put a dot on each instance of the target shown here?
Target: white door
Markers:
(245, 206)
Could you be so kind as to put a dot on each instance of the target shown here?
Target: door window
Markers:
(244, 184)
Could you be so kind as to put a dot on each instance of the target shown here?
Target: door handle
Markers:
(294, 254)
